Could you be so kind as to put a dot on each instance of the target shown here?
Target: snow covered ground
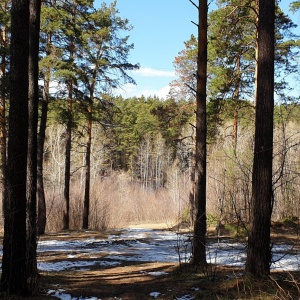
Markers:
(153, 246)
(147, 245)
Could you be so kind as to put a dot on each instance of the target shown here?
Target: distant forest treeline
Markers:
(140, 143)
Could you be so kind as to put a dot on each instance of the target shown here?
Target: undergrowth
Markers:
(230, 283)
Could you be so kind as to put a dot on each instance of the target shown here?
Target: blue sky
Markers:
(160, 29)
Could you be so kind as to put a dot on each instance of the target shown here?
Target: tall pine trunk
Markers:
(42, 209)
(236, 98)
(86, 202)
(33, 100)
(14, 277)
(42, 219)
(3, 132)
(259, 250)
(199, 239)
(66, 220)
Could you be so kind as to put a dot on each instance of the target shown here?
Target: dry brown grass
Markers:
(131, 282)
(117, 202)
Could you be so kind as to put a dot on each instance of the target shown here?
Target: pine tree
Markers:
(259, 248)
(33, 100)
(14, 277)
(199, 236)
(50, 64)
(295, 5)
(107, 53)
(4, 51)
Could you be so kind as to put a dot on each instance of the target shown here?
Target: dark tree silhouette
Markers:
(259, 251)
(199, 240)
(3, 94)
(14, 279)
(42, 218)
(33, 99)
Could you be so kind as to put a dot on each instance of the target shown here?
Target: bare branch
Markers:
(194, 4)
(195, 23)
(191, 88)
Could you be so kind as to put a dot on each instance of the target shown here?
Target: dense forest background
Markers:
(141, 163)
(135, 154)
(141, 166)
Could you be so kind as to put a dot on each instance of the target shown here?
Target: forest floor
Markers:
(142, 280)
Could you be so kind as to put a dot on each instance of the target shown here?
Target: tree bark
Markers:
(66, 220)
(199, 240)
(236, 98)
(42, 209)
(33, 99)
(86, 203)
(3, 133)
(259, 249)
(14, 277)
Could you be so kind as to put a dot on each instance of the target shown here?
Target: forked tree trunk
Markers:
(259, 249)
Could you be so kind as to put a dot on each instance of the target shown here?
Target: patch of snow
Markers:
(222, 253)
(81, 246)
(70, 265)
(155, 294)
(146, 245)
(61, 295)
(158, 273)
(185, 297)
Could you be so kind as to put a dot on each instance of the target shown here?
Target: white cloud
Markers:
(131, 90)
(150, 82)
(149, 72)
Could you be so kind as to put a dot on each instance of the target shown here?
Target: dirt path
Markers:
(140, 280)
(130, 282)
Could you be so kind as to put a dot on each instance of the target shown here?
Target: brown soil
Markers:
(131, 283)
(133, 280)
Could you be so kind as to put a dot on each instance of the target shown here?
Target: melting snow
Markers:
(155, 273)
(148, 246)
(59, 294)
(155, 294)
(185, 297)
(151, 246)
(71, 265)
